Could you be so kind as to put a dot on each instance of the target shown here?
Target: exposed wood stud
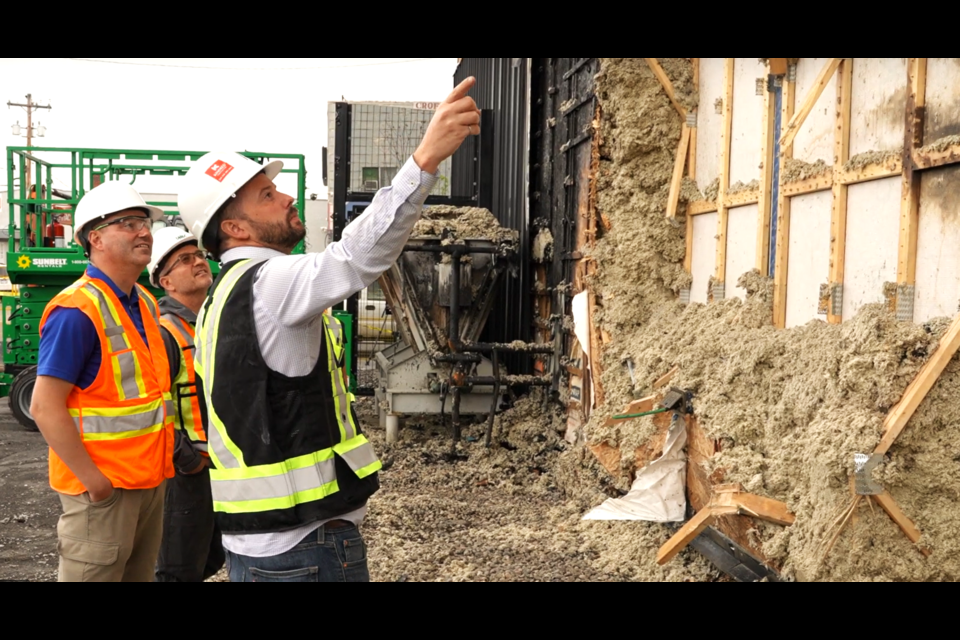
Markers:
(809, 102)
(910, 190)
(841, 154)
(783, 217)
(667, 85)
(725, 136)
(692, 159)
(676, 181)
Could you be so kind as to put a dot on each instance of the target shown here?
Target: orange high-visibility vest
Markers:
(188, 417)
(125, 418)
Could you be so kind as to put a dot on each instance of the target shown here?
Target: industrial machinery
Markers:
(441, 291)
(41, 265)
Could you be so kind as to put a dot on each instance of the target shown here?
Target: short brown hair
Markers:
(213, 236)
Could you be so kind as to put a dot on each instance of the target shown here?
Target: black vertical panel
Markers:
(502, 88)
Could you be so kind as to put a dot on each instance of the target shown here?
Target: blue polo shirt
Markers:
(69, 345)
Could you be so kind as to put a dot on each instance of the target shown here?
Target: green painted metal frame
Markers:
(41, 272)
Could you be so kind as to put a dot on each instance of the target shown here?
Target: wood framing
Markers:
(910, 191)
(777, 66)
(688, 258)
(676, 181)
(723, 217)
(667, 85)
(788, 102)
(841, 154)
(879, 171)
(887, 503)
(900, 415)
(810, 185)
(768, 146)
(692, 159)
(809, 102)
(742, 198)
(701, 207)
(933, 159)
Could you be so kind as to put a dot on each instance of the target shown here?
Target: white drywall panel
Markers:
(943, 99)
(873, 234)
(938, 240)
(709, 122)
(704, 255)
(741, 247)
(747, 131)
(815, 139)
(877, 104)
(809, 264)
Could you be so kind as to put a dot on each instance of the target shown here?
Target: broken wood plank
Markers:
(782, 261)
(910, 187)
(642, 405)
(687, 534)
(666, 378)
(809, 102)
(765, 199)
(608, 456)
(887, 169)
(810, 185)
(667, 85)
(933, 159)
(777, 66)
(676, 181)
(742, 198)
(723, 217)
(765, 509)
(888, 504)
(918, 390)
(701, 207)
(841, 154)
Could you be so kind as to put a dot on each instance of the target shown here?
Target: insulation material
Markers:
(877, 102)
(815, 139)
(747, 131)
(809, 255)
(873, 231)
(741, 247)
(704, 256)
(789, 407)
(709, 122)
(938, 239)
(943, 99)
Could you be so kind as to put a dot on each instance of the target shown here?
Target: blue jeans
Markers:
(326, 555)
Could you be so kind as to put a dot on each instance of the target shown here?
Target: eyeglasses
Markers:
(133, 224)
(184, 258)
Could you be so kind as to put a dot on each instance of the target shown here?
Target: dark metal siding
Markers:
(502, 89)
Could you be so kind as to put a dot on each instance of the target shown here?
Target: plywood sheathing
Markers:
(788, 408)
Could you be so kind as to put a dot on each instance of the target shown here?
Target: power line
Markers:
(183, 66)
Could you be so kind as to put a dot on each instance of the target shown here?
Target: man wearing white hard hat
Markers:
(102, 398)
(191, 549)
(292, 469)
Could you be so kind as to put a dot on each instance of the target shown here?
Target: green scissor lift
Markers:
(39, 273)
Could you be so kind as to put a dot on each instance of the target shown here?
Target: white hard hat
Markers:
(165, 242)
(109, 197)
(213, 179)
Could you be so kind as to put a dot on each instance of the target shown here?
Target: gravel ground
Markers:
(484, 515)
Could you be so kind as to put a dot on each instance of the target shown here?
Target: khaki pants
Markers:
(116, 540)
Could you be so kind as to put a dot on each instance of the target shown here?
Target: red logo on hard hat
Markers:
(219, 170)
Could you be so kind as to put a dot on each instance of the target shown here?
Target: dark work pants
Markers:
(191, 550)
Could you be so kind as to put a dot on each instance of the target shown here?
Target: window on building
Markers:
(371, 178)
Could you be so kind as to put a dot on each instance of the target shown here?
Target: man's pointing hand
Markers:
(456, 118)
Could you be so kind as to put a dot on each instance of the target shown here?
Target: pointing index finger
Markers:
(461, 90)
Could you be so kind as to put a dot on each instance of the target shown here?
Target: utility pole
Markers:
(29, 107)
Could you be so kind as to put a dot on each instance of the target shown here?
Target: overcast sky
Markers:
(275, 105)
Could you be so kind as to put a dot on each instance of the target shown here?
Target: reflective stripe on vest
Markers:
(238, 488)
(186, 401)
(125, 416)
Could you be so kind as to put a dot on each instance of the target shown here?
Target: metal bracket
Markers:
(719, 291)
(692, 119)
(732, 559)
(836, 299)
(863, 467)
(792, 72)
(685, 295)
(761, 86)
(906, 295)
